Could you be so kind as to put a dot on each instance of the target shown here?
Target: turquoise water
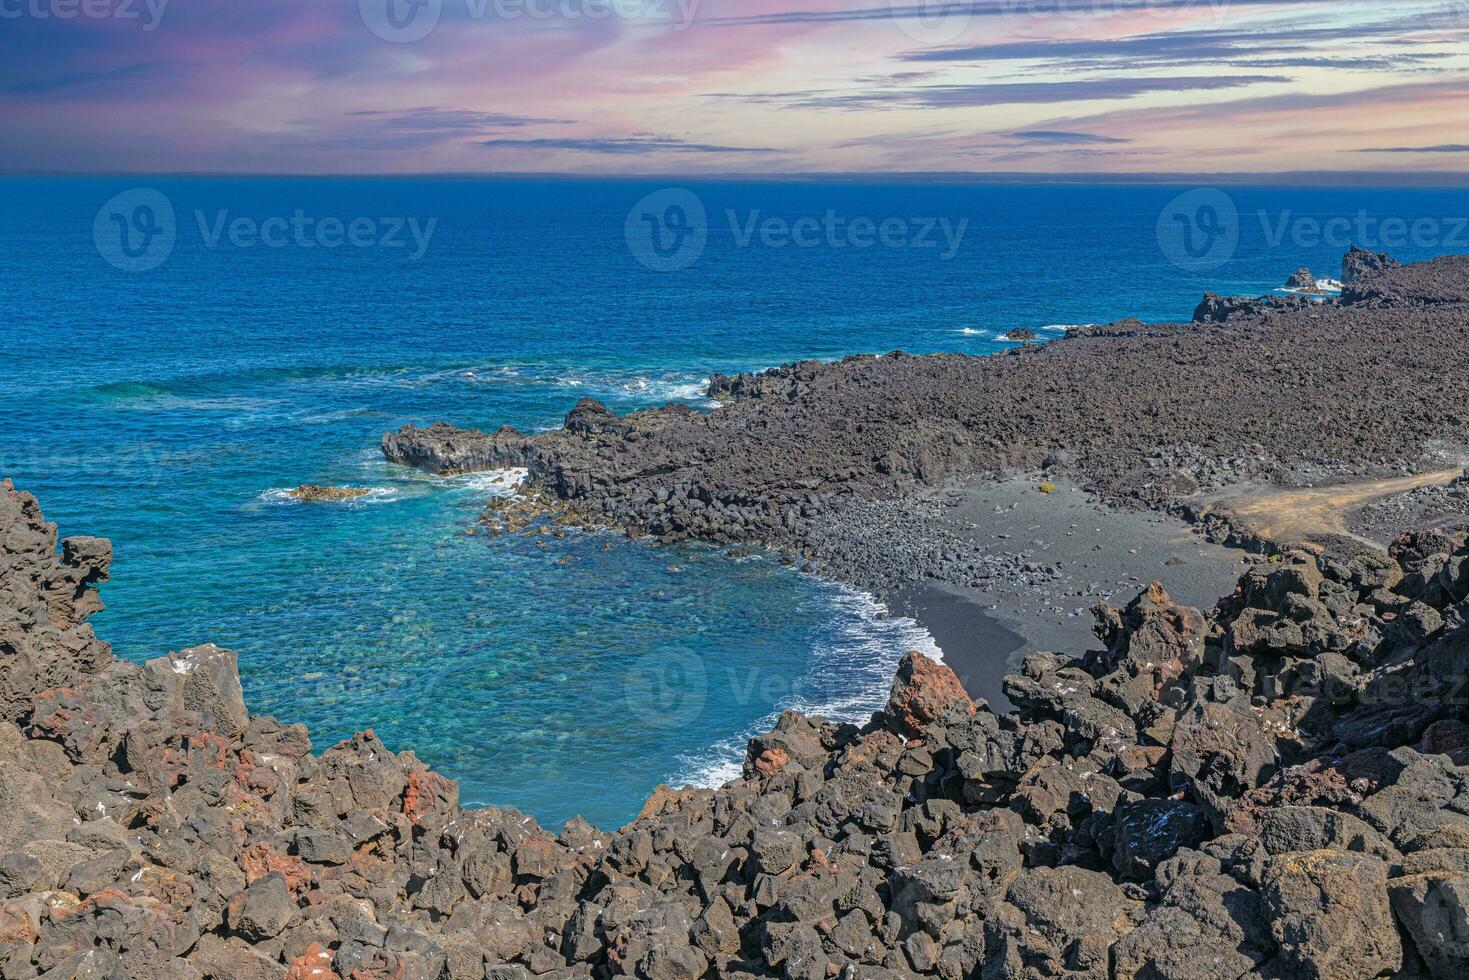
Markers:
(169, 408)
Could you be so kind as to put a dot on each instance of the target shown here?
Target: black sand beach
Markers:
(977, 645)
(1096, 553)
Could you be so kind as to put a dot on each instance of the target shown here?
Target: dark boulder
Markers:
(1359, 261)
(1148, 832)
(1329, 912)
(1301, 279)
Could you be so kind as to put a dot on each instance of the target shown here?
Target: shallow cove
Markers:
(170, 410)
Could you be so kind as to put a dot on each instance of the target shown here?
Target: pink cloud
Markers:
(289, 86)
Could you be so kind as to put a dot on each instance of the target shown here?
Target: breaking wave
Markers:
(849, 676)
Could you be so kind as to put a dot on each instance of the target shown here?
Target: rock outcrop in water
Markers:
(1279, 788)
(1302, 278)
(314, 494)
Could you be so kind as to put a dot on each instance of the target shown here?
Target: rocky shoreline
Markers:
(1274, 786)
(1285, 391)
(1278, 788)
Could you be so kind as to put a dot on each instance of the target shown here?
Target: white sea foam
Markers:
(279, 496)
(863, 649)
(1323, 287)
(1057, 328)
(657, 388)
(653, 387)
(496, 483)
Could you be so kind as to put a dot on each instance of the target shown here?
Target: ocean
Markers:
(178, 352)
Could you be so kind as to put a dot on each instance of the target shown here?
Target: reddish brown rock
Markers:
(259, 860)
(314, 964)
(772, 761)
(923, 690)
(428, 793)
(1136, 758)
(16, 926)
(665, 799)
(1337, 783)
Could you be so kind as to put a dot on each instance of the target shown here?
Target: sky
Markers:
(733, 86)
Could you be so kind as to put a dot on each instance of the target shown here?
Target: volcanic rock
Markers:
(312, 493)
(1302, 278)
(923, 691)
(1359, 260)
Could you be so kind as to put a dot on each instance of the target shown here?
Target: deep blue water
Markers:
(168, 408)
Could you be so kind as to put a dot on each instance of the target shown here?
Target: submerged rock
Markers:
(311, 493)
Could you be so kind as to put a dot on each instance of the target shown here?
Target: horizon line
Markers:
(1409, 178)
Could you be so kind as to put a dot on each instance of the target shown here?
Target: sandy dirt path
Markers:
(1303, 515)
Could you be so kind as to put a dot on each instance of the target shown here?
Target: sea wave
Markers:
(1004, 335)
(653, 387)
(203, 383)
(506, 482)
(281, 496)
(496, 483)
(863, 646)
(128, 390)
(217, 390)
(650, 387)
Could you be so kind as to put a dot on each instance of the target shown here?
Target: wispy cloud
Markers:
(1013, 8)
(419, 127)
(1205, 44)
(1441, 148)
(73, 84)
(1061, 137)
(809, 85)
(623, 146)
(1009, 93)
(425, 119)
